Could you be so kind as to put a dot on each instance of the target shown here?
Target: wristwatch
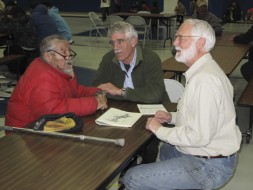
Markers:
(123, 93)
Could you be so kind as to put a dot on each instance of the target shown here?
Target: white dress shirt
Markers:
(205, 118)
(106, 3)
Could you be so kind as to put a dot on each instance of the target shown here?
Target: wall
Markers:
(167, 5)
(69, 5)
(86, 5)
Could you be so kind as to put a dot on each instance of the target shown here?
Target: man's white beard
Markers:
(69, 68)
(69, 71)
(186, 54)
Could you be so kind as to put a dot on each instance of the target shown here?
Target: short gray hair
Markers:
(48, 43)
(122, 27)
(203, 29)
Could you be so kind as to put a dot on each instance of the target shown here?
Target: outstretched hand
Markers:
(110, 89)
(102, 101)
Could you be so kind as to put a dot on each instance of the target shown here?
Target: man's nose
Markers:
(176, 41)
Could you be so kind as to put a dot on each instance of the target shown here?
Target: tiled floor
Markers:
(89, 55)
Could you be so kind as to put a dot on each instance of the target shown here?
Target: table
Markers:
(164, 18)
(4, 35)
(226, 40)
(228, 57)
(31, 161)
(11, 58)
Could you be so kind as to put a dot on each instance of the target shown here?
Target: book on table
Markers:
(118, 118)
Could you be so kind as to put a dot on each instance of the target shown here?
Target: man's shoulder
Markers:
(148, 53)
(147, 50)
(149, 58)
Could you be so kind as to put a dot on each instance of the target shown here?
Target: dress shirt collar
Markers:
(132, 64)
(195, 67)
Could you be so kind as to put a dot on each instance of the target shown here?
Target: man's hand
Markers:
(110, 89)
(153, 124)
(163, 117)
(102, 101)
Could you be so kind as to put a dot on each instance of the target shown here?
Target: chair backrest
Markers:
(148, 21)
(96, 21)
(84, 75)
(166, 12)
(113, 18)
(137, 21)
(174, 89)
(140, 26)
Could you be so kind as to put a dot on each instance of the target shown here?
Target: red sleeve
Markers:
(52, 97)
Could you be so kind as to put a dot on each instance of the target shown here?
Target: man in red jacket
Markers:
(49, 86)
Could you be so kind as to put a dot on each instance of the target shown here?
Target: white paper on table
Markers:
(150, 109)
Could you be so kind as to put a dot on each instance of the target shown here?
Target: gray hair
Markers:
(122, 27)
(203, 29)
(48, 43)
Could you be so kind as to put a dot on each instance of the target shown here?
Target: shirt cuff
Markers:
(162, 132)
(173, 119)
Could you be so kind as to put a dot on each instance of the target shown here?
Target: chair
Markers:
(113, 18)
(84, 75)
(97, 24)
(148, 22)
(174, 89)
(2, 121)
(6, 41)
(162, 29)
(139, 24)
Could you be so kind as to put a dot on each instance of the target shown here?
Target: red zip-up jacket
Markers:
(44, 89)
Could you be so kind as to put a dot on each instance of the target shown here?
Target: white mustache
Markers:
(178, 48)
(117, 51)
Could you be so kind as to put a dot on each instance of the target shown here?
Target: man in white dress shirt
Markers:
(200, 152)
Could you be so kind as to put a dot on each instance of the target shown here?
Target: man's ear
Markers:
(201, 43)
(48, 57)
(134, 41)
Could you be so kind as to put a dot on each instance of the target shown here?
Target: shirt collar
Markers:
(132, 64)
(195, 67)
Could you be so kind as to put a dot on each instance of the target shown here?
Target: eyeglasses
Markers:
(118, 41)
(69, 57)
(180, 37)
